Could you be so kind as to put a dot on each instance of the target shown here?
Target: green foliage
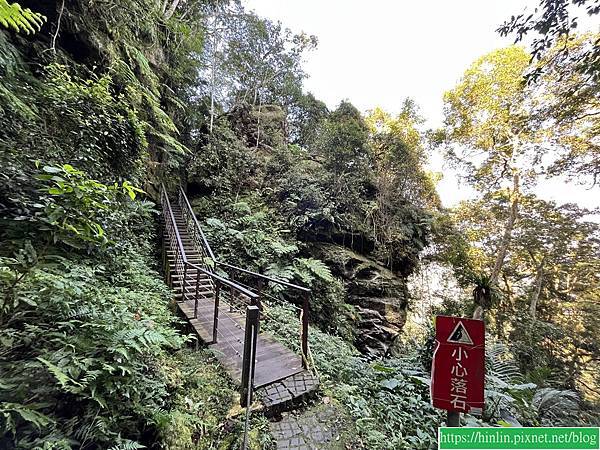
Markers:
(556, 407)
(549, 276)
(301, 192)
(223, 165)
(570, 88)
(261, 61)
(311, 268)
(19, 19)
(74, 120)
(150, 62)
(381, 398)
(506, 391)
(306, 116)
(75, 208)
(204, 410)
(78, 334)
(552, 24)
(89, 355)
(257, 240)
(249, 238)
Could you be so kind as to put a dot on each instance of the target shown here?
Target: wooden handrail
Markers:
(264, 277)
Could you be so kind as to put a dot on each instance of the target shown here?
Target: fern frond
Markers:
(19, 19)
(126, 444)
(16, 104)
(171, 142)
(317, 268)
(501, 364)
(285, 273)
(556, 406)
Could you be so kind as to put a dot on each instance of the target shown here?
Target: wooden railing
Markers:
(192, 287)
(255, 282)
(261, 283)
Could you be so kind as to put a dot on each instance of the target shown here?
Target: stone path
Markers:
(279, 395)
(320, 427)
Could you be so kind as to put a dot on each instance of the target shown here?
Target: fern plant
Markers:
(507, 395)
(19, 19)
(556, 407)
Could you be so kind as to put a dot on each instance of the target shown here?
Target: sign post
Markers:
(458, 368)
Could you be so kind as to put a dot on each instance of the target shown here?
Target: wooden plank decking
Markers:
(274, 362)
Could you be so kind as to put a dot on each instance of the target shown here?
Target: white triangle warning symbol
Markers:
(460, 335)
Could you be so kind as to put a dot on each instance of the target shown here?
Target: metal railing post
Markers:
(174, 268)
(216, 314)
(305, 330)
(196, 296)
(163, 247)
(183, 282)
(231, 302)
(259, 289)
(249, 358)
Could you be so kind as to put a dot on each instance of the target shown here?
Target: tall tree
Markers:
(404, 188)
(491, 132)
(568, 101)
(261, 62)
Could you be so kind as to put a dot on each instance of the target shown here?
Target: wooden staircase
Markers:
(216, 308)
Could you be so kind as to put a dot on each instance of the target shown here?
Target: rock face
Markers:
(380, 297)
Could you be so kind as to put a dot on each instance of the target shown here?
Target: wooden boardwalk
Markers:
(274, 362)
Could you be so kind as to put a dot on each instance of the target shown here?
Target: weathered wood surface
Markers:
(274, 362)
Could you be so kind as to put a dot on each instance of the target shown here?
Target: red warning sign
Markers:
(458, 369)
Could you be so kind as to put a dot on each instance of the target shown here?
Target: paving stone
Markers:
(291, 388)
(312, 429)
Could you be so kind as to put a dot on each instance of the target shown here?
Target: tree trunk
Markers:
(212, 70)
(506, 237)
(169, 12)
(539, 278)
(258, 124)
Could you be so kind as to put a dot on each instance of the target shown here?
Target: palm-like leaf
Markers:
(555, 406)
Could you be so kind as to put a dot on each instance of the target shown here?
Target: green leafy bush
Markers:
(257, 240)
(75, 209)
(382, 398)
(78, 334)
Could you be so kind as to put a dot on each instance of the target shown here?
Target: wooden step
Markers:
(192, 276)
(192, 286)
(190, 257)
(202, 290)
(191, 298)
(195, 261)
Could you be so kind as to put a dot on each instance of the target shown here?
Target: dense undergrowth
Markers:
(380, 397)
(92, 355)
(91, 352)
(388, 399)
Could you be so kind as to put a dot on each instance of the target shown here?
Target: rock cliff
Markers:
(380, 296)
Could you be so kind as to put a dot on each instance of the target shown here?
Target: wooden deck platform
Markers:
(273, 361)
